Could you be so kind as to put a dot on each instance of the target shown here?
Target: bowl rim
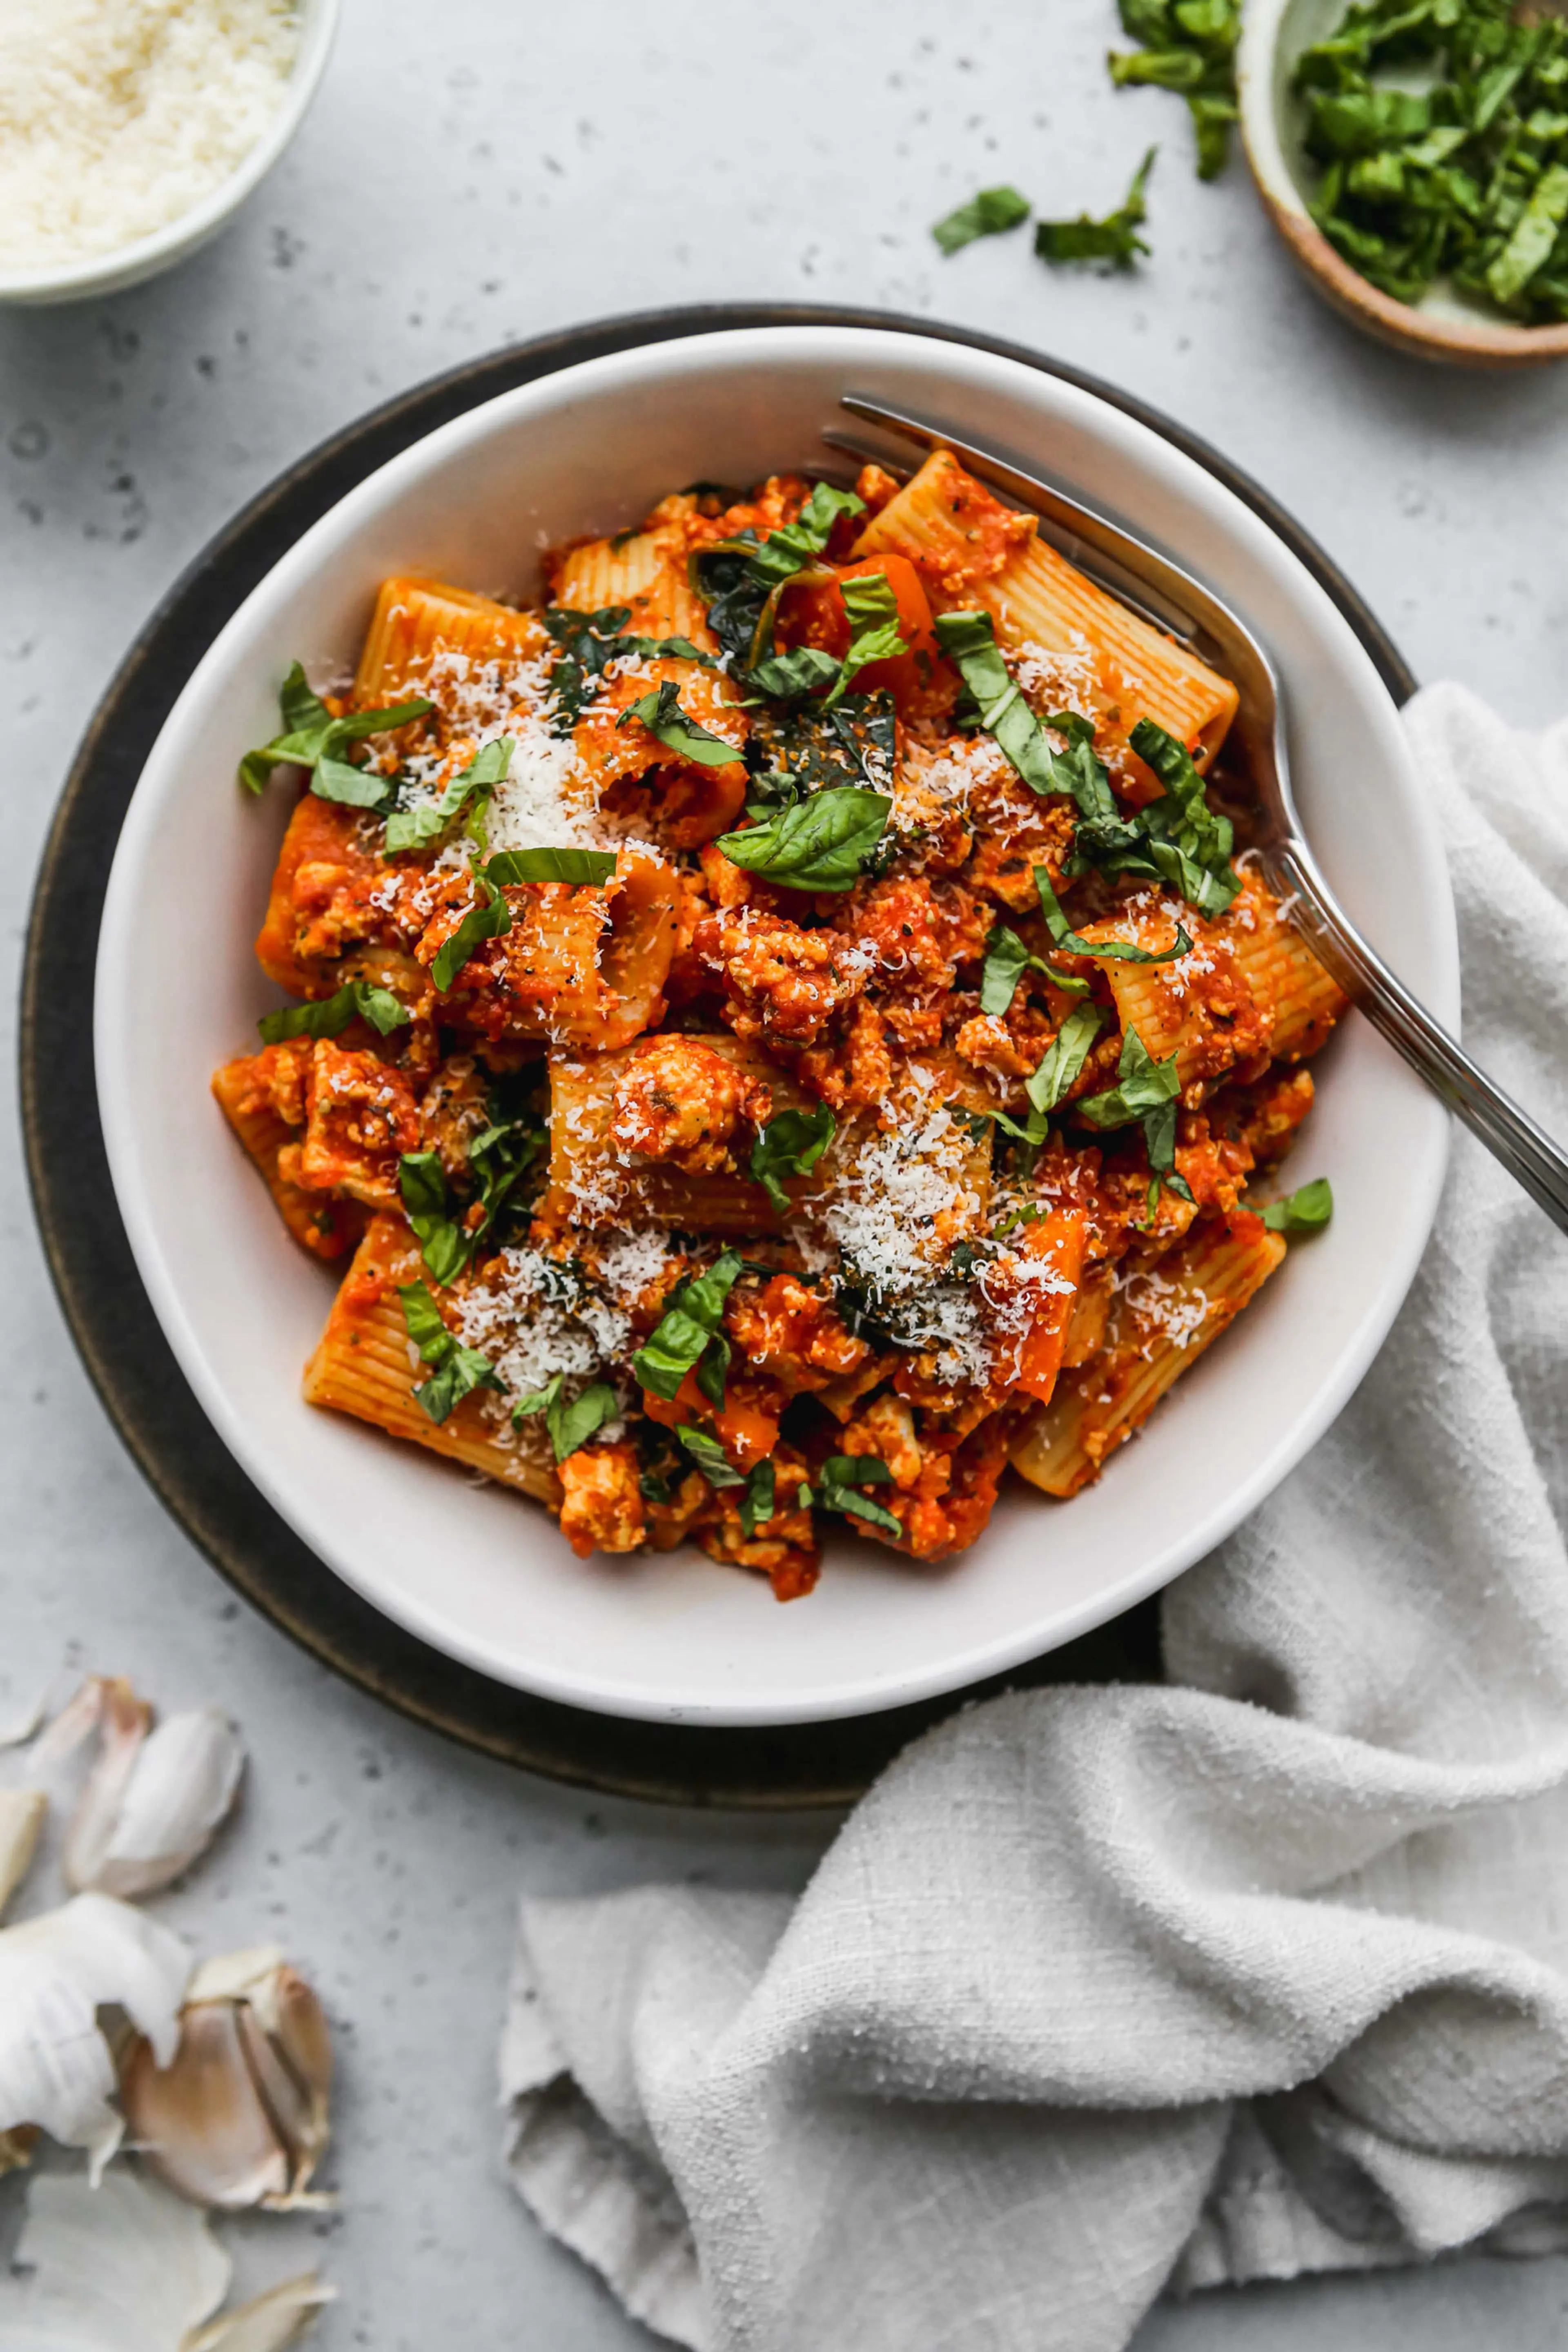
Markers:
(128, 265)
(861, 1693)
(1480, 341)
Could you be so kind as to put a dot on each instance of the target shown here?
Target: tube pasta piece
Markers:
(1282, 971)
(595, 1180)
(958, 536)
(417, 621)
(362, 1366)
(645, 572)
(321, 1222)
(1202, 1007)
(1160, 1323)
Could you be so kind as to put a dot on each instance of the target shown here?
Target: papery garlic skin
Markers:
(182, 1784)
(123, 2267)
(270, 2323)
(240, 2117)
(22, 1812)
(56, 1971)
(107, 1708)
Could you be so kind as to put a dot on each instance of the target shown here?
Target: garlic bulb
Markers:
(56, 1973)
(240, 2117)
(125, 2267)
(153, 1798)
(21, 1815)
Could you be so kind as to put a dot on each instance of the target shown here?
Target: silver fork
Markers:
(1174, 600)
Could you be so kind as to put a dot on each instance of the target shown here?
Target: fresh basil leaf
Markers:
(490, 919)
(758, 1502)
(689, 1321)
(331, 1016)
(593, 867)
(540, 1399)
(1107, 951)
(311, 736)
(1190, 48)
(663, 717)
(989, 212)
(1142, 1085)
(800, 671)
(795, 545)
(709, 1456)
(872, 607)
(740, 579)
(1533, 236)
(1006, 961)
(351, 787)
(1033, 1133)
(1188, 842)
(1160, 1142)
(1306, 1211)
(1114, 240)
(1065, 1056)
(573, 1425)
(411, 828)
(969, 640)
(790, 1145)
(837, 1487)
(819, 844)
(456, 1371)
(422, 1182)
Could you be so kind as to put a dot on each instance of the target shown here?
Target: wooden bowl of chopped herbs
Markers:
(1413, 155)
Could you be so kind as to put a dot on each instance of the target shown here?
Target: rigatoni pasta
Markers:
(781, 1027)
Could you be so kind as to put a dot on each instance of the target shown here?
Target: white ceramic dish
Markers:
(110, 273)
(481, 1574)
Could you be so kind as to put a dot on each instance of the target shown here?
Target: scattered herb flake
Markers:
(989, 212)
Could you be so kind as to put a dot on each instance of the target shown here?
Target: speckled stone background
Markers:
(481, 171)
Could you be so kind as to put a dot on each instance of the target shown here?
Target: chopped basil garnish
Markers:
(1145, 1092)
(332, 1014)
(1186, 841)
(1306, 1211)
(446, 1247)
(1006, 961)
(1111, 950)
(821, 843)
(1114, 240)
(709, 1456)
(741, 579)
(989, 212)
(686, 1336)
(314, 739)
(874, 634)
(1064, 1057)
(411, 828)
(570, 1425)
(490, 919)
(663, 717)
(757, 1503)
(836, 1486)
(589, 642)
(593, 867)
(1188, 47)
(969, 640)
(790, 1145)
(801, 671)
(1460, 175)
(455, 1370)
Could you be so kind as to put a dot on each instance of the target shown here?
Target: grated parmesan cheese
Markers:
(117, 116)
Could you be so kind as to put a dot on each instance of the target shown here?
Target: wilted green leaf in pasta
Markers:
(1306, 1211)
(689, 1321)
(1107, 951)
(411, 828)
(490, 919)
(790, 1145)
(331, 1016)
(758, 1501)
(1142, 1085)
(661, 714)
(989, 212)
(969, 640)
(570, 1425)
(1187, 842)
(709, 1456)
(837, 1483)
(1006, 961)
(456, 1371)
(444, 1244)
(313, 737)
(590, 866)
(818, 844)
(802, 670)
(872, 608)
(1114, 240)
(1065, 1056)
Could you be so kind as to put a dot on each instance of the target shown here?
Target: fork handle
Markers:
(1509, 1134)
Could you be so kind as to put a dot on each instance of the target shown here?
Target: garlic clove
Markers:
(201, 2123)
(182, 1785)
(240, 2117)
(56, 1973)
(21, 1815)
(107, 1708)
(269, 2324)
(124, 2267)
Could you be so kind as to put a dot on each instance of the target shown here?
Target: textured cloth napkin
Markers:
(1261, 1971)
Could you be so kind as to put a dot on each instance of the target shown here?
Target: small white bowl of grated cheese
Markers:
(132, 130)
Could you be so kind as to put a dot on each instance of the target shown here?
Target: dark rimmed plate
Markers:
(110, 1318)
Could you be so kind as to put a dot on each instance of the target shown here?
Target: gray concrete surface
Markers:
(477, 171)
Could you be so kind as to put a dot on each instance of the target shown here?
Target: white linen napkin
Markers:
(1259, 1971)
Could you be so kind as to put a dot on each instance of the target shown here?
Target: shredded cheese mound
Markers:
(117, 116)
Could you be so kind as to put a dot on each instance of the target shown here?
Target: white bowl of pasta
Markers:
(732, 1068)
